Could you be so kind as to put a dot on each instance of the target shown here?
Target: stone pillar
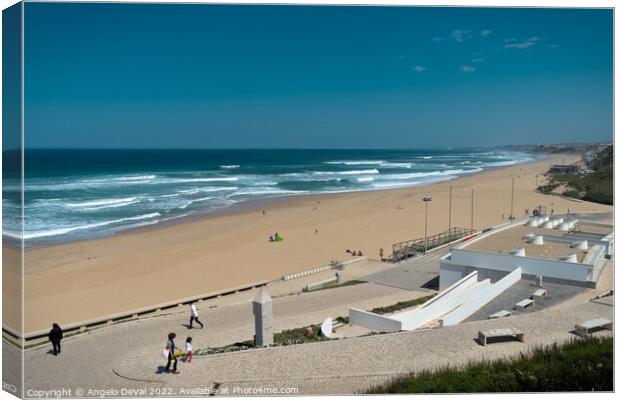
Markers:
(338, 277)
(263, 318)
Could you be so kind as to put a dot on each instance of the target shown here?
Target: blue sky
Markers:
(191, 76)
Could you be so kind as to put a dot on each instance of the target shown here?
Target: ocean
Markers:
(79, 194)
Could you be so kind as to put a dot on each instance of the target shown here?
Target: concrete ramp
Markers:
(450, 306)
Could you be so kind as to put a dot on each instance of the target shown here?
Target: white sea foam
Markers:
(358, 172)
(132, 178)
(103, 202)
(359, 162)
(234, 166)
(116, 205)
(207, 190)
(396, 165)
(366, 179)
(63, 231)
(189, 203)
(193, 180)
(264, 191)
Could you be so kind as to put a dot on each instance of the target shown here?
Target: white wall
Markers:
(528, 265)
(464, 311)
(448, 275)
(373, 321)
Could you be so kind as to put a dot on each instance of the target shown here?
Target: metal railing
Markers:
(410, 248)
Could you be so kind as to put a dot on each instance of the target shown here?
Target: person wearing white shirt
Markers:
(194, 316)
(188, 349)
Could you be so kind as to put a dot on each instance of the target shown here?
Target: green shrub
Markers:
(401, 305)
(580, 365)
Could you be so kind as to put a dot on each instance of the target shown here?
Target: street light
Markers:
(426, 200)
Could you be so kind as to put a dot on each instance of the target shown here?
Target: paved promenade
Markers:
(93, 357)
(127, 356)
(351, 365)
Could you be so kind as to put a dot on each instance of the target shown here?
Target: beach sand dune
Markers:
(88, 279)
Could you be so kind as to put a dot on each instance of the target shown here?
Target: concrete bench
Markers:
(483, 336)
(586, 328)
(538, 293)
(523, 304)
(500, 314)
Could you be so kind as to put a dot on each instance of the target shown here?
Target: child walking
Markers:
(188, 349)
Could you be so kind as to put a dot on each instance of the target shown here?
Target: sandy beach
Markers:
(82, 280)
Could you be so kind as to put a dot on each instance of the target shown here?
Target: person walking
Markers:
(172, 359)
(55, 337)
(194, 316)
(188, 349)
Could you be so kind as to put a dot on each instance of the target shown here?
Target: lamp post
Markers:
(450, 211)
(512, 199)
(426, 200)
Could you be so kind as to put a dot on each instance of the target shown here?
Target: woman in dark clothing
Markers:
(55, 337)
(172, 348)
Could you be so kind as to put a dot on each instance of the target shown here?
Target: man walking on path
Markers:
(194, 316)
(55, 337)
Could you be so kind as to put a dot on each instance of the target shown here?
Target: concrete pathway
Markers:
(352, 365)
(127, 356)
(93, 357)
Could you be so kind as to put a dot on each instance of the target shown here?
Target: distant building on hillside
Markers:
(563, 169)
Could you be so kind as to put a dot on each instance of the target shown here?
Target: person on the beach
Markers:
(194, 316)
(55, 337)
(172, 348)
(188, 349)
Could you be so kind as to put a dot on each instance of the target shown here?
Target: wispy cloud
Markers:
(533, 39)
(467, 68)
(485, 32)
(419, 68)
(553, 46)
(438, 39)
(400, 56)
(477, 60)
(460, 34)
(519, 45)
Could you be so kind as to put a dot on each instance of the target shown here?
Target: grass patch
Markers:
(288, 337)
(298, 336)
(580, 365)
(334, 285)
(548, 188)
(342, 320)
(401, 305)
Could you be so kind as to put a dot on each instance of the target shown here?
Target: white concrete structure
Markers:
(481, 299)
(518, 252)
(537, 240)
(568, 270)
(533, 222)
(451, 306)
(570, 257)
(327, 327)
(548, 225)
(580, 245)
(263, 318)
(462, 261)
